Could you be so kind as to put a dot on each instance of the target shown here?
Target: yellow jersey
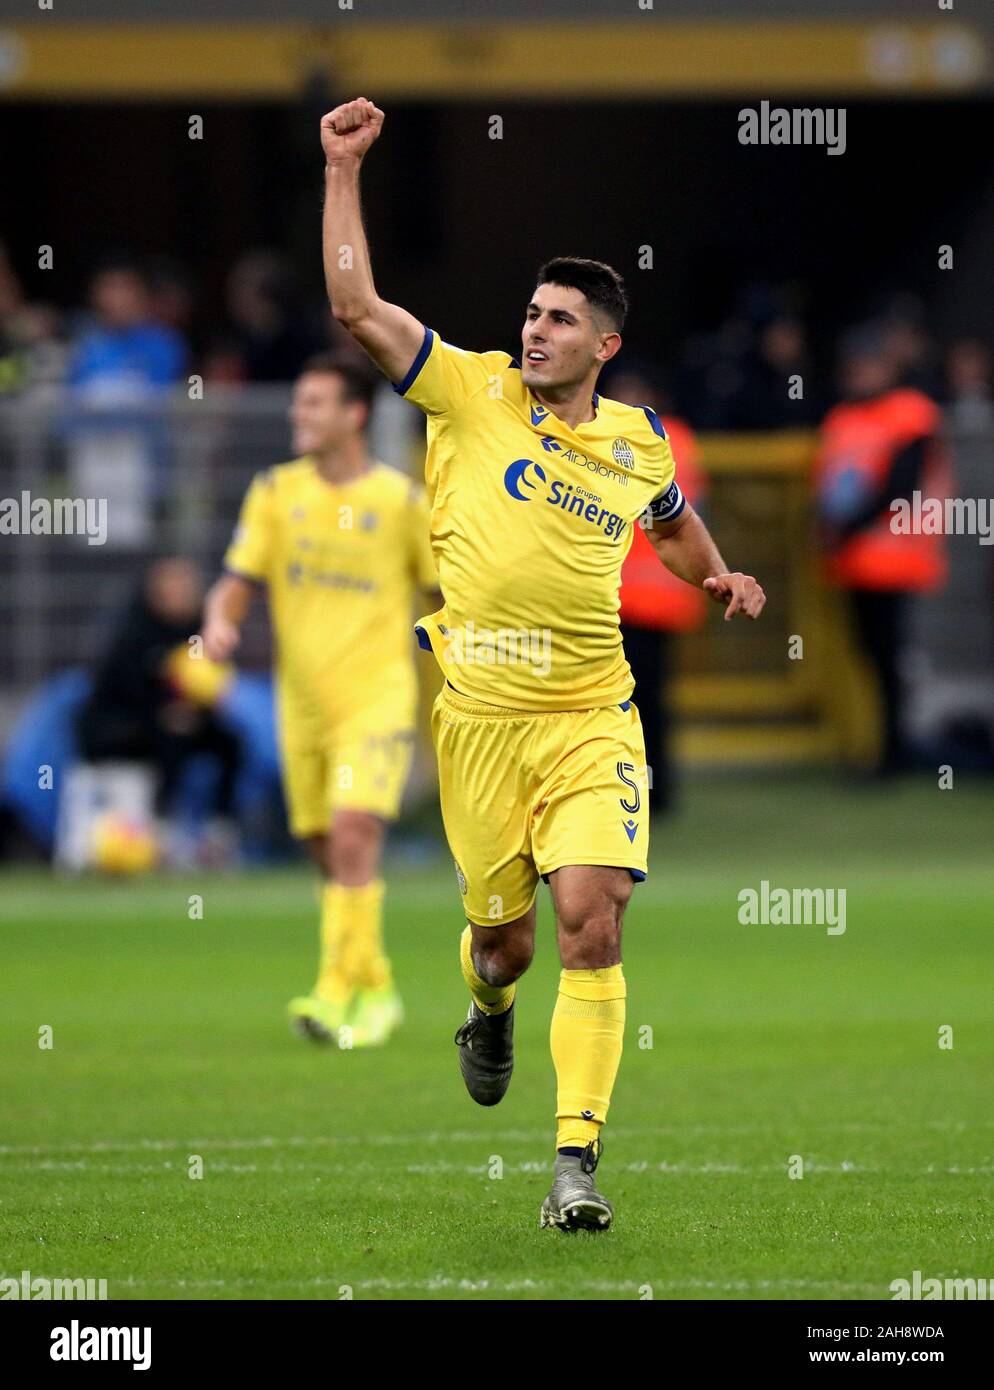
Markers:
(530, 523)
(342, 564)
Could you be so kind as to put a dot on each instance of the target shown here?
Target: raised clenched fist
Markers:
(349, 130)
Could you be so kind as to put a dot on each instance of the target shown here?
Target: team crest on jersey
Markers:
(460, 879)
(367, 522)
(623, 454)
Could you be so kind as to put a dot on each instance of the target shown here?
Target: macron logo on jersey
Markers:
(539, 413)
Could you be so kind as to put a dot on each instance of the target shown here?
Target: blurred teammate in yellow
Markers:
(340, 542)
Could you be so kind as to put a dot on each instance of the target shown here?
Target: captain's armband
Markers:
(668, 505)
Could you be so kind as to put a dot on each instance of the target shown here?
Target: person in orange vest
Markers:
(655, 604)
(878, 446)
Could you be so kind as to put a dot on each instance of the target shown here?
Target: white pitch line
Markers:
(538, 1165)
(442, 1282)
(483, 1137)
(269, 1141)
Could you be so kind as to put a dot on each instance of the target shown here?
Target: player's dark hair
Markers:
(600, 284)
(358, 381)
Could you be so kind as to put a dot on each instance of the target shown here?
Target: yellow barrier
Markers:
(637, 57)
(790, 689)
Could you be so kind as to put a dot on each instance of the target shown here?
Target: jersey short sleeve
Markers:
(424, 571)
(442, 377)
(251, 550)
(669, 501)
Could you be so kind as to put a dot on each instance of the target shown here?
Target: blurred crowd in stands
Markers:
(133, 337)
(883, 398)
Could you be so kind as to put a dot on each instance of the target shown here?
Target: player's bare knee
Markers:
(502, 954)
(355, 847)
(592, 943)
(500, 966)
(319, 848)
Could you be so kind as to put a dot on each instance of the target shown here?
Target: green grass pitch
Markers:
(327, 1171)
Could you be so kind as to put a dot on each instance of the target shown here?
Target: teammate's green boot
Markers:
(316, 1018)
(374, 1015)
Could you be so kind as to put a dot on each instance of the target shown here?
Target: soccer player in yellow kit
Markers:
(340, 542)
(535, 483)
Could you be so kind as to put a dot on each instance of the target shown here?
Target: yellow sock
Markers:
(588, 1026)
(352, 954)
(492, 999)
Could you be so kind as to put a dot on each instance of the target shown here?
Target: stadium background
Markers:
(619, 131)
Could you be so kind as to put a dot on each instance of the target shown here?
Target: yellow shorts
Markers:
(524, 794)
(356, 767)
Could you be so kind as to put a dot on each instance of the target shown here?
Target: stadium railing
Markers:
(741, 698)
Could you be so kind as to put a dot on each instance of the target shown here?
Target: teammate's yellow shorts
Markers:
(524, 794)
(358, 767)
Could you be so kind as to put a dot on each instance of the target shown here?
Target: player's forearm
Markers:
(229, 600)
(688, 550)
(347, 270)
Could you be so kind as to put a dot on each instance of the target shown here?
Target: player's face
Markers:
(173, 589)
(119, 298)
(867, 375)
(561, 341)
(321, 419)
